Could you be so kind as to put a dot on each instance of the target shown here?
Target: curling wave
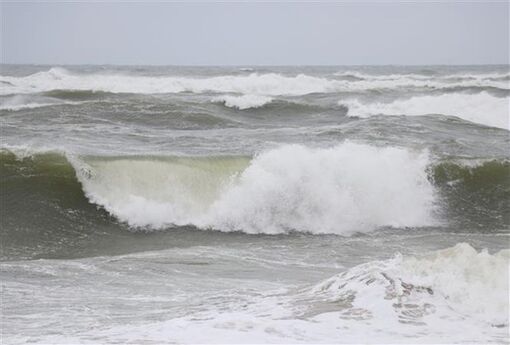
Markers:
(340, 190)
(345, 189)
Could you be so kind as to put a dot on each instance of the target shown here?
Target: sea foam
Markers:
(457, 283)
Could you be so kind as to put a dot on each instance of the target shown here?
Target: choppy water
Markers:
(284, 205)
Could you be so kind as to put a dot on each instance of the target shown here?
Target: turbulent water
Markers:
(283, 204)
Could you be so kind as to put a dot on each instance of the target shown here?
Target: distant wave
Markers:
(500, 78)
(263, 84)
(268, 84)
(480, 108)
(243, 102)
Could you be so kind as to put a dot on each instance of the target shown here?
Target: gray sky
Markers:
(342, 33)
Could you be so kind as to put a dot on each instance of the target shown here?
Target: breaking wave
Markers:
(340, 190)
(480, 108)
(345, 189)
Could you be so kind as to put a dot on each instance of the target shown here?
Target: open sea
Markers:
(153, 205)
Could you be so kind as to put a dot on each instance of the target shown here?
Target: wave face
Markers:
(477, 195)
(345, 189)
(479, 108)
(157, 192)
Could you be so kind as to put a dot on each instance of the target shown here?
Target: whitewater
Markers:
(352, 204)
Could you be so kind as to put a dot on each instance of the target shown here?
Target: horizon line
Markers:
(251, 65)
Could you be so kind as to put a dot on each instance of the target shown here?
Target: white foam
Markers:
(243, 102)
(344, 189)
(268, 84)
(451, 285)
(479, 108)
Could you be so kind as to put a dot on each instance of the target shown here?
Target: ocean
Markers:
(339, 204)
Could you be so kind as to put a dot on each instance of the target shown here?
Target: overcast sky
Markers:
(342, 33)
